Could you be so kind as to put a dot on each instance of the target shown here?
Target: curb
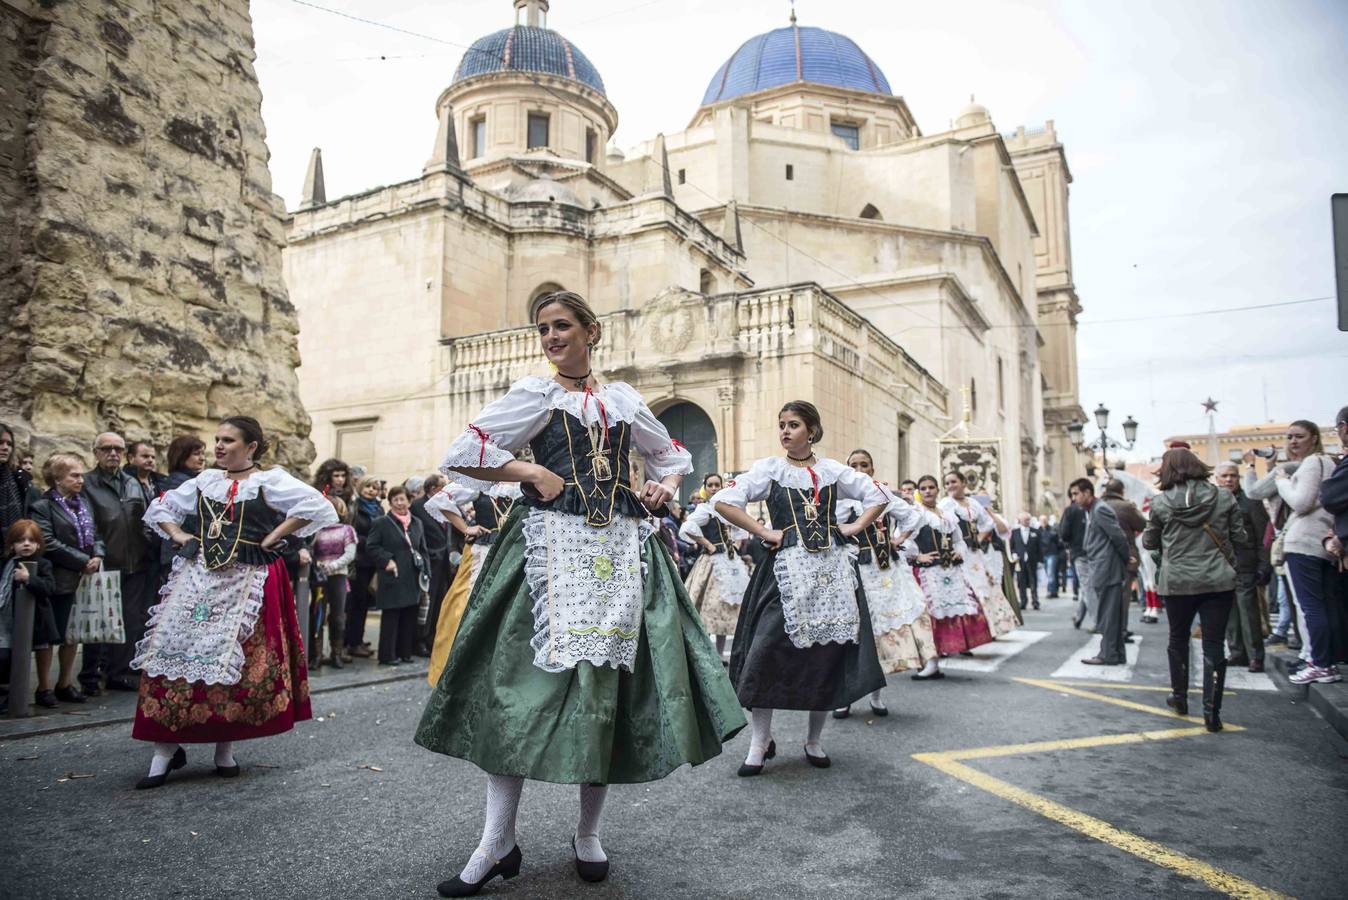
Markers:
(123, 720)
(1329, 700)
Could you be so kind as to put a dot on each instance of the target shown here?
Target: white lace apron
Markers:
(947, 592)
(731, 576)
(819, 595)
(892, 595)
(586, 587)
(203, 617)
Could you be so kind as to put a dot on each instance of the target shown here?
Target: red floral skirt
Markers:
(271, 696)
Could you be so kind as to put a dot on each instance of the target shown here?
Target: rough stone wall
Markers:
(144, 290)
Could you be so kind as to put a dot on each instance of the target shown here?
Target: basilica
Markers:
(802, 237)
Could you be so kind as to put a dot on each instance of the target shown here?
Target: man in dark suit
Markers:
(1107, 554)
(1050, 550)
(1025, 543)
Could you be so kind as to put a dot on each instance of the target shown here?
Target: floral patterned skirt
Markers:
(270, 697)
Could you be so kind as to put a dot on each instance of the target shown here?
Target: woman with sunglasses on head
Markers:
(222, 656)
(720, 577)
(804, 639)
(899, 617)
(579, 659)
(937, 552)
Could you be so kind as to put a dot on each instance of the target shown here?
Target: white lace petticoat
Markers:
(948, 593)
(819, 595)
(203, 617)
(586, 586)
(892, 595)
(731, 576)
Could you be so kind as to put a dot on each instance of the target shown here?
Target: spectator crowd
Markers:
(1259, 561)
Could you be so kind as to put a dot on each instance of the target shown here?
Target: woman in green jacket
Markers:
(1195, 526)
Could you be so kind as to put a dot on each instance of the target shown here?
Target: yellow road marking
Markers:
(1117, 701)
(1120, 686)
(950, 762)
(1102, 831)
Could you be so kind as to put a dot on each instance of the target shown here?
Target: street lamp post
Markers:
(1104, 443)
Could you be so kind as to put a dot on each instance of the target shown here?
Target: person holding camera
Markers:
(397, 547)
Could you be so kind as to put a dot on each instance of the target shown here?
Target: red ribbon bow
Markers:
(603, 413)
(229, 498)
(482, 456)
(814, 479)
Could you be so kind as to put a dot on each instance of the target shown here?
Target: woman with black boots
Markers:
(1196, 527)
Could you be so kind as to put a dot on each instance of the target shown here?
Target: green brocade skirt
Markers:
(587, 725)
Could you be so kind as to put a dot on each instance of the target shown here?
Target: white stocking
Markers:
(817, 719)
(876, 701)
(163, 755)
(498, 831)
(224, 754)
(588, 848)
(931, 668)
(759, 736)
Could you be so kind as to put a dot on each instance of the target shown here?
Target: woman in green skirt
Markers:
(580, 659)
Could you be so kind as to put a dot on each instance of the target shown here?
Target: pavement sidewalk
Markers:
(1329, 700)
(119, 707)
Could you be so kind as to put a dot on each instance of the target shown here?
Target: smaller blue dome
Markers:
(792, 54)
(528, 49)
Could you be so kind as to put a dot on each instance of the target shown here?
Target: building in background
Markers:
(1231, 444)
(801, 238)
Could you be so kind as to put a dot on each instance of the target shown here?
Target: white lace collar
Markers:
(781, 470)
(620, 400)
(214, 483)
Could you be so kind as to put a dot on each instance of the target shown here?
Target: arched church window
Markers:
(690, 426)
(542, 290)
(870, 212)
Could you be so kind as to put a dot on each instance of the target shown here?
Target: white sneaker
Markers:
(1317, 674)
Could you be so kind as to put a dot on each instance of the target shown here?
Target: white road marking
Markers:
(1075, 668)
(1237, 678)
(989, 657)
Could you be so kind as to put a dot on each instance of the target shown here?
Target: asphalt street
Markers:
(348, 806)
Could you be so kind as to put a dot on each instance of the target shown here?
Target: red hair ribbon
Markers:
(326, 488)
(482, 456)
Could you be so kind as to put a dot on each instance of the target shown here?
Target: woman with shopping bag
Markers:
(222, 656)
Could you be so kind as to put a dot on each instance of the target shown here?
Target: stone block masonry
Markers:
(140, 242)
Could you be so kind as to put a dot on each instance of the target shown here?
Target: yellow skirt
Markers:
(451, 612)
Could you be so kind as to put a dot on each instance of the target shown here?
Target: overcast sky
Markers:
(1205, 139)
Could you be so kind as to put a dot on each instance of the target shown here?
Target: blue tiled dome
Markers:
(528, 49)
(795, 54)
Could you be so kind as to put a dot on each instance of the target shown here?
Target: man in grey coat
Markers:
(1106, 548)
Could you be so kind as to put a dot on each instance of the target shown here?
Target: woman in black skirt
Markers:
(803, 640)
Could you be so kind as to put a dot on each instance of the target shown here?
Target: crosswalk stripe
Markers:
(1075, 668)
(1236, 678)
(989, 657)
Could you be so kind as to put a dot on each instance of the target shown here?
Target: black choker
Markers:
(802, 458)
(244, 469)
(579, 381)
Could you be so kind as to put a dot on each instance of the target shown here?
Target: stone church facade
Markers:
(801, 238)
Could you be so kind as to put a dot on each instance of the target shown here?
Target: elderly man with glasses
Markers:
(118, 505)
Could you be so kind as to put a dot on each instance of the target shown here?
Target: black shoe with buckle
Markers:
(507, 867)
(589, 871)
(153, 781)
(70, 694)
(748, 771)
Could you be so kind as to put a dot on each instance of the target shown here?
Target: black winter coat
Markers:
(61, 534)
(362, 524)
(1334, 497)
(1072, 530)
(118, 506)
(385, 542)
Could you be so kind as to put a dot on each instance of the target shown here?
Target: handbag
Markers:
(1228, 555)
(96, 617)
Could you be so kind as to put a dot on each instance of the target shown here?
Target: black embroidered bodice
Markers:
(719, 535)
(789, 510)
(235, 535)
(488, 512)
(597, 486)
(970, 533)
(929, 540)
(873, 541)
